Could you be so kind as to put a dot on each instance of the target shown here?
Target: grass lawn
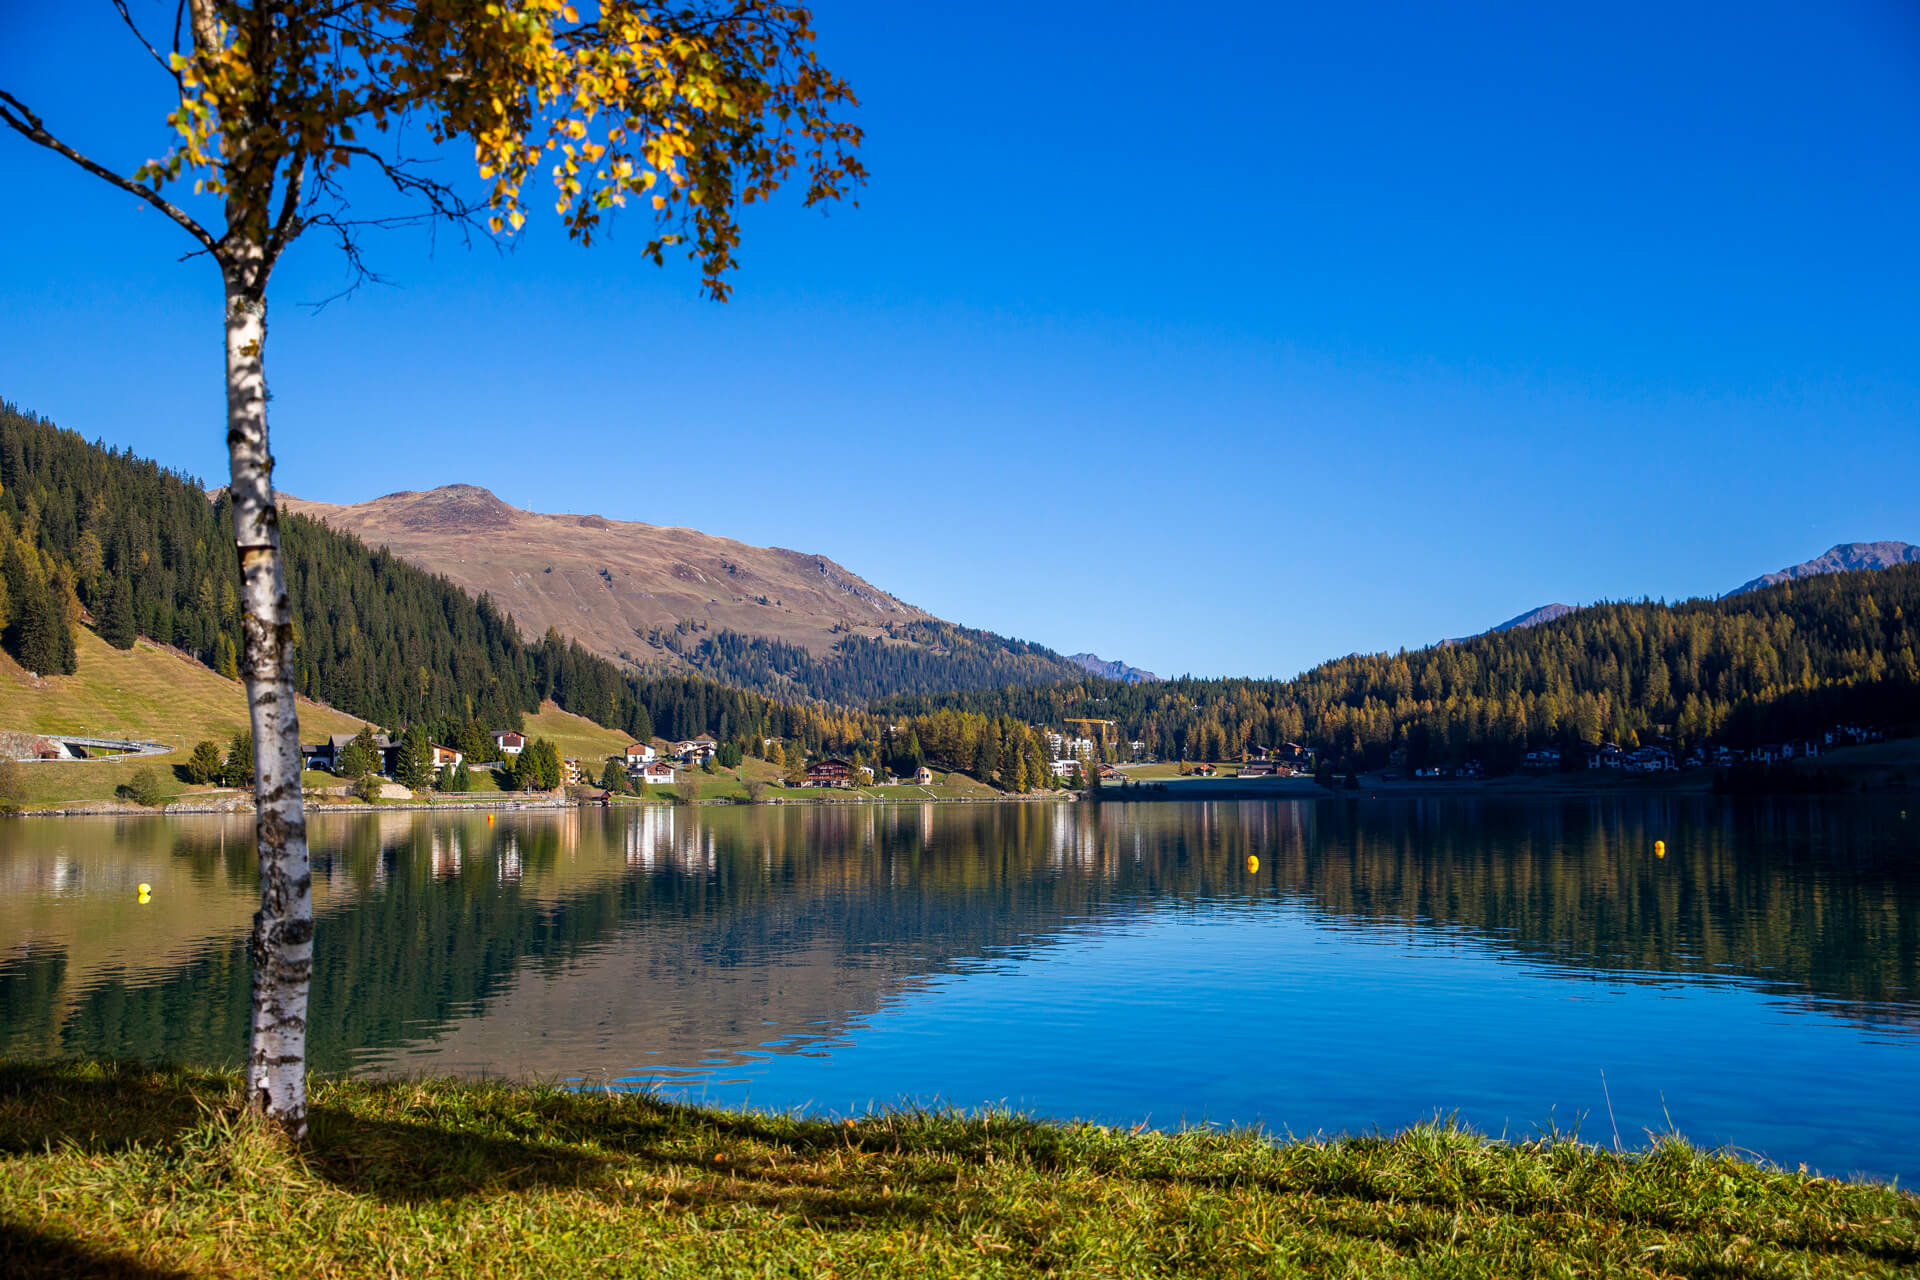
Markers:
(151, 1173)
(1149, 772)
(945, 786)
(148, 693)
(577, 737)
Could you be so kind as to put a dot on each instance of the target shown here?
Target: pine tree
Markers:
(32, 632)
(359, 757)
(413, 768)
(116, 619)
(237, 769)
(205, 764)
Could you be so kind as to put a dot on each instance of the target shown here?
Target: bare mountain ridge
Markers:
(1531, 618)
(608, 583)
(1843, 557)
(1114, 670)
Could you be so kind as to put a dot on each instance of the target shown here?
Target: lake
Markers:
(1524, 966)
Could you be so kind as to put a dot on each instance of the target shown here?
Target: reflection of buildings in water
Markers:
(509, 863)
(447, 848)
(926, 824)
(649, 837)
(1073, 841)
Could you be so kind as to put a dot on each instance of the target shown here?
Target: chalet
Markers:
(696, 750)
(509, 742)
(1259, 769)
(639, 753)
(829, 773)
(923, 776)
(1110, 774)
(327, 754)
(446, 758)
(1064, 768)
(1204, 771)
(655, 773)
(572, 773)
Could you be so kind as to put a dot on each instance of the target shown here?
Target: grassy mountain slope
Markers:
(146, 692)
(673, 601)
(608, 582)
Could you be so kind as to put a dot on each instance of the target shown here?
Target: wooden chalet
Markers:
(829, 773)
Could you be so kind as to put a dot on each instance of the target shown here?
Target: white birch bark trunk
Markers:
(282, 947)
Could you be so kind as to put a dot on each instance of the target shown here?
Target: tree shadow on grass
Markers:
(411, 1161)
(101, 1107)
(451, 1146)
(27, 1254)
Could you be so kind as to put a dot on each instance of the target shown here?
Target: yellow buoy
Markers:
(1659, 848)
(1253, 863)
(146, 891)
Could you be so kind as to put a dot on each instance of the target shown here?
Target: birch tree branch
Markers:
(127, 17)
(16, 116)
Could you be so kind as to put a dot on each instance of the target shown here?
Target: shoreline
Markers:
(234, 807)
(1891, 768)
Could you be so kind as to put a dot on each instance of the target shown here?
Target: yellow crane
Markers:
(1106, 727)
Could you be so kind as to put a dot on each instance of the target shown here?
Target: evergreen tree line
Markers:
(912, 658)
(1764, 666)
(91, 530)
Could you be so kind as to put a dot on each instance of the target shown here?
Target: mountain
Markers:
(1115, 670)
(1842, 558)
(1531, 618)
(1534, 617)
(608, 583)
(670, 601)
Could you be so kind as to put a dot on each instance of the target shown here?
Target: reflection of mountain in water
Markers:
(632, 941)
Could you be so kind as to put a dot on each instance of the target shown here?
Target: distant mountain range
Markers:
(1846, 557)
(1115, 670)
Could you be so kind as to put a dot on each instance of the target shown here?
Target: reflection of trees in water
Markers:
(1819, 898)
(428, 916)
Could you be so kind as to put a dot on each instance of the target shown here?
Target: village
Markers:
(1093, 759)
(643, 764)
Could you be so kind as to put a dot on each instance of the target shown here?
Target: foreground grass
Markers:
(133, 1172)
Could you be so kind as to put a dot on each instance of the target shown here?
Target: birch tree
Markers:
(282, 109)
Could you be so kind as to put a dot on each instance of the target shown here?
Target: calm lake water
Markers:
(1521, 965)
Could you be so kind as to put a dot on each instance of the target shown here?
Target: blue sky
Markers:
(1219, 347)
